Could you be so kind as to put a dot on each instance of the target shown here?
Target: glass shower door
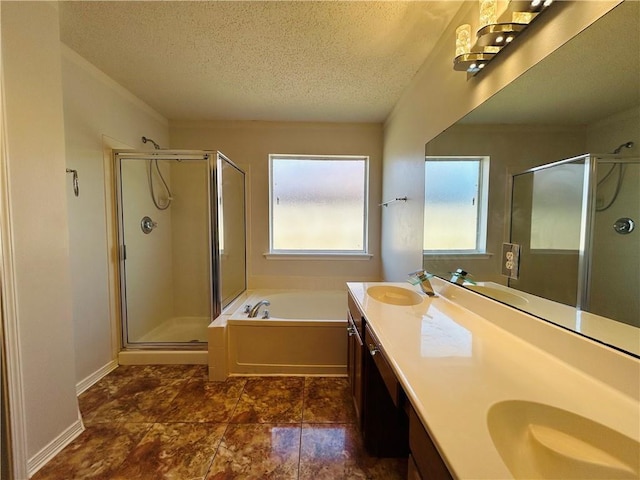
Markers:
(165, 235)
(231, 230)
(547, 215)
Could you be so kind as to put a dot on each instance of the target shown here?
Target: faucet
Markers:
(459, 277)
(253, 313)
(422, 278)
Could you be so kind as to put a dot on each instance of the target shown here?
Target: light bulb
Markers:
(463, 39)
(488, 12)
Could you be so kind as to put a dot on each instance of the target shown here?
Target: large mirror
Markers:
(583, 98)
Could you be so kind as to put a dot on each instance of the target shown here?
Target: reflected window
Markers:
(455, 205)
(318, 204)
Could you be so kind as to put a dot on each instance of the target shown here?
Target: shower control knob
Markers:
(624, 226)
(147, 225)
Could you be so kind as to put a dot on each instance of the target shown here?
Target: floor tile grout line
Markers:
(133, 447)
(215, 454)
(226, 428)
(304, 400)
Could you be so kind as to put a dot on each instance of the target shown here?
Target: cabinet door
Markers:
(385, 429)
(425, 454)
(355, 352)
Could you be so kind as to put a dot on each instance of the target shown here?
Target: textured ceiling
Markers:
(595, 75)
(259, 60)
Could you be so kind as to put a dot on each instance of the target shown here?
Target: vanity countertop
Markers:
(455, 364)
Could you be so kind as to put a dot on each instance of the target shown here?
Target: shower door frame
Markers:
(217, 222)
(587, 216)
(214, 293)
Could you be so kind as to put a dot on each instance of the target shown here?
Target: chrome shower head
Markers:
(624, 145)
(155, 145)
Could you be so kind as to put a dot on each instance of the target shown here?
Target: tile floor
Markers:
(169, 422)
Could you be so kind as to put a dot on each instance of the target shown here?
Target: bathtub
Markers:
(305, 335)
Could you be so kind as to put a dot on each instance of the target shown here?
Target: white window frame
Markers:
(281, 254)
(482, 205)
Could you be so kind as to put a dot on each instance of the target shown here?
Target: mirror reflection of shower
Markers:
(619, 168)
(160, 204)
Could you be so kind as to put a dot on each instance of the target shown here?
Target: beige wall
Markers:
(616, 258)
(98, 114)
(248, 144)
(37, 196)
(439, 96)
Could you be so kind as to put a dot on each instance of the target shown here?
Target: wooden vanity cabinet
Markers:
(355, 357)
(385, 428)
(389, 424)
(425, 462)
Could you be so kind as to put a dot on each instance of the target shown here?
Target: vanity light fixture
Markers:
(494, 32)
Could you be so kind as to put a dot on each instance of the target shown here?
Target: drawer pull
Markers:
(350, 330)
(373, 349)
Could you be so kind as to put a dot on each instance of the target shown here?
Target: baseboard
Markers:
(87, 382)
(41, 458)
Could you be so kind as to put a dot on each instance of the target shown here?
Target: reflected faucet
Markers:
(422, 278)
(253, 313)
(459, 277)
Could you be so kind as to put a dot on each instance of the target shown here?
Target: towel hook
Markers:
(76, 187)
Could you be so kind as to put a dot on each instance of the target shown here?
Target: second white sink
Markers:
(541, 441)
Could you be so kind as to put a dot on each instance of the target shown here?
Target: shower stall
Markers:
(576, 222)
(181, 244)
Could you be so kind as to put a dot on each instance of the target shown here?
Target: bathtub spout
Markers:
(253, 313)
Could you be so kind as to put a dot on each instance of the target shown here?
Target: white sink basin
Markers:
(541, 441)
(499, 295)
(393, 295)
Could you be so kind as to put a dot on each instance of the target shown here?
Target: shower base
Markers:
(178, 330)
(187, 337)
(163, 357)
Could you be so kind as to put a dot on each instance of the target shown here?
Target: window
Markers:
(318, 204)
(455, 205)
